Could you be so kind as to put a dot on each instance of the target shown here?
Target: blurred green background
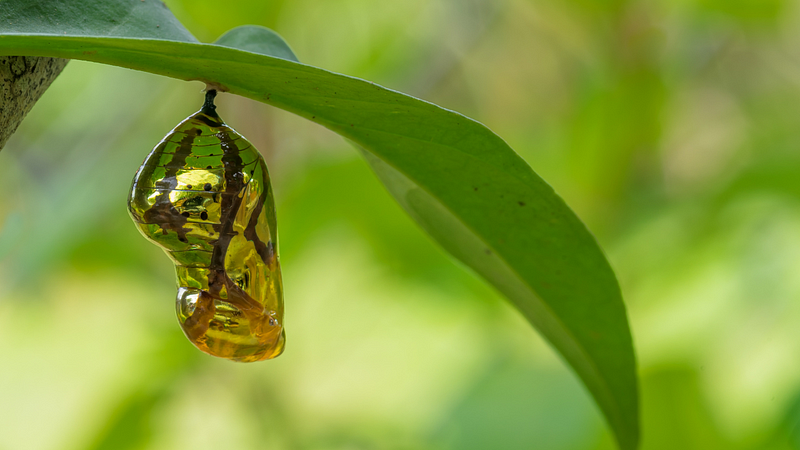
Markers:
(670, 126)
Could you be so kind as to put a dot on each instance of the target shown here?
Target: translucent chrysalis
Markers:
(204, 196)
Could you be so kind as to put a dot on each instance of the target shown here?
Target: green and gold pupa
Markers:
(204, 196)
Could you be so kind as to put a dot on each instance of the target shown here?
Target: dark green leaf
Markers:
(257, 39)
(133, 18)
(461, 182)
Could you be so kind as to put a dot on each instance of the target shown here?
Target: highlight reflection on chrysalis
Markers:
(203, 195)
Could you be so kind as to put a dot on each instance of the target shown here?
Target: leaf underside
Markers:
(462, 183)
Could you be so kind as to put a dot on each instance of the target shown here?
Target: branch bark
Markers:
(23, 79)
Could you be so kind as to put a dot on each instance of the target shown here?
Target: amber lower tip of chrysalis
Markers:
(203, 195)
(222, 329)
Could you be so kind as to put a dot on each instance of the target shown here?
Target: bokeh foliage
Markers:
(667, 125)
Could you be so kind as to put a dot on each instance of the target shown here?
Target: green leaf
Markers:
(117, 18)
(462, 183)
(257, 39)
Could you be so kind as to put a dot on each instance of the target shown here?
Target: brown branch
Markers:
(23, 79)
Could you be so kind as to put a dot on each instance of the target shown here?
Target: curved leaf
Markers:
(257, 39)
(461, 182)
(134, 19)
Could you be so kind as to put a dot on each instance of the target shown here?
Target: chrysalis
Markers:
(203, 195)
